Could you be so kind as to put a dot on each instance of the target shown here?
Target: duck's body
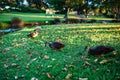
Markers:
(55, 45)
(33, 34)
(98, 50)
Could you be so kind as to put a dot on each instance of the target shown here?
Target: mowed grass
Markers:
(32, 17)
(23, 58)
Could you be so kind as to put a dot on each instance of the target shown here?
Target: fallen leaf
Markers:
(85, 57)
(16, 77)
(48, 75)
(1, 42)
(7, 49)
(49, 66)
(95, 60)
(68, 76)
(64, 69)
(86, 63)
(13, 64)
(46, 57)
(18, 67)
(27, 67)
(53, 59)
(38, 67)
(22, 76)
(5, 66)
(72, 66)
(104, 61)
(83, 78)
(33, 78)
(14, 56)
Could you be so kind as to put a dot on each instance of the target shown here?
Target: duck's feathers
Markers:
(100, 50)
(56, 45)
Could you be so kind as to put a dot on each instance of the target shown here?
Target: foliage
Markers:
(113, 6)
(16, 22)
(4, 25)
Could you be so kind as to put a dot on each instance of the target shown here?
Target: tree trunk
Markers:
(78, 11)
(86, 13)
(118, 14)
(66, 13)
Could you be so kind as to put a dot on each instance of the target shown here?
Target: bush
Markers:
(32, 10)
(24, 9)
(57, 21)
(72, 21)
(17, 23)
(4, 25)
(35, 10)
(93, 20)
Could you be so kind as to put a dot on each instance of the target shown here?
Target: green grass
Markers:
(30, 17)
(25, 56)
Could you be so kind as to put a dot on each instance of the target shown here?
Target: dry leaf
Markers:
(46, 57)
(68, 76)
(86, 63)
(53, 59)
(16, 77)
(85, 57)
(71, 66)
(14, 56)
(18, 67)
(27, 67)
(13, 64)
(104, 61)
(95, 60)
(7, 49)
(33, 78)
(1, 42)
(38, 67)
(48, 75)
(64, 69)
(49, 66)
(83, 78)
(22, 76)
(5, 66)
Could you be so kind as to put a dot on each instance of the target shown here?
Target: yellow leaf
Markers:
(104, 61)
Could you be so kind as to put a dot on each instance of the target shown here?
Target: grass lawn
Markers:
(23, 58)
(32, 17)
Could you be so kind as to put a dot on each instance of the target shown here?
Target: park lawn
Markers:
(23, 58)
(32, 17)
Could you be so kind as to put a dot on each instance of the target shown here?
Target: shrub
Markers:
(93, 20)
(17, 23)
(57, 21)
(4, 25)
(72, 21)
(24, 9)
(35, 10)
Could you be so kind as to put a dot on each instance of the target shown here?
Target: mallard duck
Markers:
(98, 50)
(55, 45)
(33, 34)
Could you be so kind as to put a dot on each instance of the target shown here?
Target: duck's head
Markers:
(87, 48)
(85, 51)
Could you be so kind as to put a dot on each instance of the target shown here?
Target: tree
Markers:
(113, 6)
(65, 5)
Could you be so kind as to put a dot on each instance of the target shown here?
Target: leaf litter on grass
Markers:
(71, 61)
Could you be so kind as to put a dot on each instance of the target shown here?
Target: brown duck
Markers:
(55, 45)
(98, 50)
(33, 34)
